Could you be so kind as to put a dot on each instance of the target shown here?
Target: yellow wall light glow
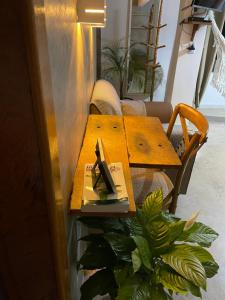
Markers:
(92, 12)
(95, 11)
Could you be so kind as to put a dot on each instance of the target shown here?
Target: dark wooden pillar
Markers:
(27, 269)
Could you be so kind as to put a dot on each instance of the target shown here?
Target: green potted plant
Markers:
(115, 65)
(151, 256)
(117, 70)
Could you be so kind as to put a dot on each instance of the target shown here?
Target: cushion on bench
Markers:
(105, 98)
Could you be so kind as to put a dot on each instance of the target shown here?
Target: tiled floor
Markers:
(212, 97)
(207, 193)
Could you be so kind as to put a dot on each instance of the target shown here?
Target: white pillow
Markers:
(106, 98)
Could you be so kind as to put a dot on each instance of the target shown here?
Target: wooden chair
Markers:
(147, 180)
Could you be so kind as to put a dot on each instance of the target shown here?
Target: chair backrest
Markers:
(191, 142)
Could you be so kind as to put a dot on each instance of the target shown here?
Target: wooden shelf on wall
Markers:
(186, 21)
(111, 130)
(196, 25)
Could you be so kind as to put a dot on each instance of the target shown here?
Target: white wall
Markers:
(180, 67)
(188, 67)
(117, 21)
(167, 35)
(187, 64)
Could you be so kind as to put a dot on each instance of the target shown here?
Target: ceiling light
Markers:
(95, 11)
(92, 12)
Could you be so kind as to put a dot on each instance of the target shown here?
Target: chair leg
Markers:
(167, 201)
(173, 205)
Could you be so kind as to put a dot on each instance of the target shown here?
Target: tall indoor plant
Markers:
(115, 65)
(149, 257)
(121, 64)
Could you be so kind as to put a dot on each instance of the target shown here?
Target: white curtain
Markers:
(218, 80)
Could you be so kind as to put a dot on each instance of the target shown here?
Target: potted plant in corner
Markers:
(121, 64)
(149, 257)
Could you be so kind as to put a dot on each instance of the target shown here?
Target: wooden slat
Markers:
(148, 145)
(111, 130)
(185, 131)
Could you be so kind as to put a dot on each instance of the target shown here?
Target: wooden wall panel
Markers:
(66, 54)
(26, 258)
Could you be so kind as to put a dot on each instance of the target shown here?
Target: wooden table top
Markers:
(111, 130)
(148, 145)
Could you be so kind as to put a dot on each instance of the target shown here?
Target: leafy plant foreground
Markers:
(151, 256)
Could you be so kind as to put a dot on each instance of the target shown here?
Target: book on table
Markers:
(98, 199)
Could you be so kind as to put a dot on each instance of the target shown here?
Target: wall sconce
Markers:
(92, 12)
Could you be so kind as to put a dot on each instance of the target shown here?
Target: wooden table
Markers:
(135, 141)
(148, 145)
(111, 130)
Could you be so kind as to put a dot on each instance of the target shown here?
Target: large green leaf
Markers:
(173, 281)
(152, 205)
(101, 283)
(97, 256)
(170, 218)
(143, 292)
(202, 254)
(176, 229)
(206, 258)
(187, 265)
(176, 283)
(121, 245)
(195, 290)
(159, 235)
(114, 224)
(134, 289)
(200, 234)
(134, 226)
(158, 293)
(128, 289)
(136, 260)
(144, 251)
(162, 232)
(211, 268)
(121, 273)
